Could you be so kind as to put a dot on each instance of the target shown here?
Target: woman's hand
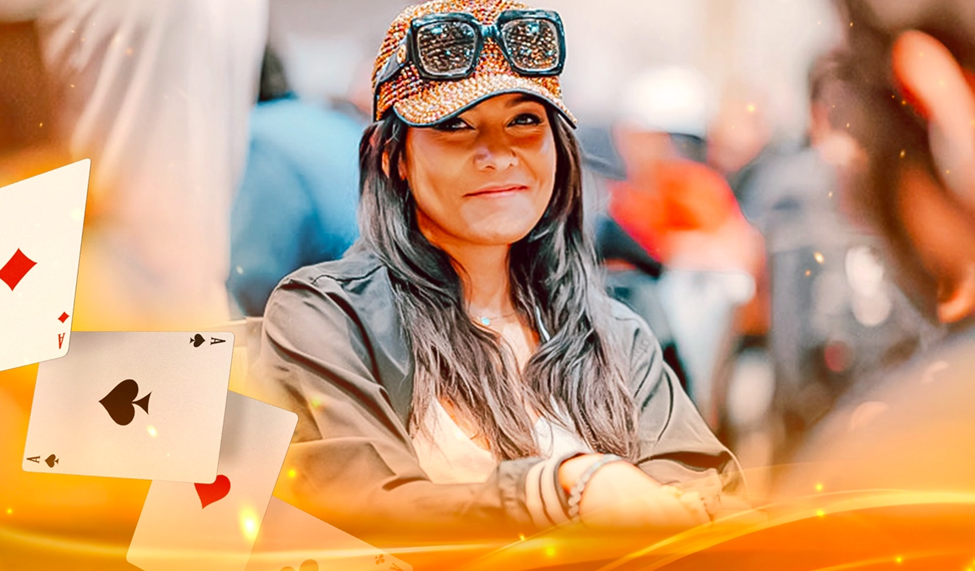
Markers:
(621, 496)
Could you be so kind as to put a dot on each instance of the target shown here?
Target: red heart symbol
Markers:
(214, 492)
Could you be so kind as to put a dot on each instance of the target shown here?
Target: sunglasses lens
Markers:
(533, 44)
(446, 49)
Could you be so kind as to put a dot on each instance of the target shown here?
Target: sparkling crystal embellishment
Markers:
(15, 269)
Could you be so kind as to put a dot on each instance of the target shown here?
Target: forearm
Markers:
(374, 492)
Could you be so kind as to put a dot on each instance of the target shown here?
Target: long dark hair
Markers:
(552, 271)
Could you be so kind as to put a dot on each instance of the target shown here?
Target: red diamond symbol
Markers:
(64, 317)
(15, 269)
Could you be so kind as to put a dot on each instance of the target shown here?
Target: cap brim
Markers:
(446, 99)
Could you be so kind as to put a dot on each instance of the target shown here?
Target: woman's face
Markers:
(486, 177)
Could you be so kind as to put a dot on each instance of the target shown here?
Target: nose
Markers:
(495, 152)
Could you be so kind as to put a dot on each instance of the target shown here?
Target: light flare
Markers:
(250, 524)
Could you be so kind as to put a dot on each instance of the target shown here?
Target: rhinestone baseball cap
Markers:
(420, 102)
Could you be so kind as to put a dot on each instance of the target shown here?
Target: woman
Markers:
(461, 370)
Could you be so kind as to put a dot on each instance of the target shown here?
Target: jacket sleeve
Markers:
(675, 444)
(351, 461)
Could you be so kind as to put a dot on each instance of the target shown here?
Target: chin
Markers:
(493, 235)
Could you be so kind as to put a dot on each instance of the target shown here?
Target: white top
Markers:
(448, 456)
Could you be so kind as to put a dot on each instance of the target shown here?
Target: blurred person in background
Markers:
(836, 317)
(684, 214)
(681, 211)
(740, 137)
(907, 68)
(156, 94)
(297, 201)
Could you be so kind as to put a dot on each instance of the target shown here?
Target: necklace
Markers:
(486, 320)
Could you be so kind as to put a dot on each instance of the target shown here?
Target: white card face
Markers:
(213, 526)
(293, 540)
(132, 405)
(41, 219)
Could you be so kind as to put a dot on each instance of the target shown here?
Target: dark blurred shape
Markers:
(25, 104)
(613, 243)
(28, 146)
(297, 200)
(274, 81)
(836, 316)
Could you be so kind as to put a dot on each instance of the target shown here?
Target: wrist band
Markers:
(575, 495)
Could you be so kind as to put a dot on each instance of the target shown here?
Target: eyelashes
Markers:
(457, 124)
(527, 119)
(450, 125)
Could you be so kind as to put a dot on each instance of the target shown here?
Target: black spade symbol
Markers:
(197, 340)
(51, 461)
(119, 402)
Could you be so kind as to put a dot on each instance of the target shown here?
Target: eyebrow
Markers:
(522, 98)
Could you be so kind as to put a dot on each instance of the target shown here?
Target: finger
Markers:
(936, 85)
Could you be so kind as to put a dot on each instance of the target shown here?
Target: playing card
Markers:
(212, 526)
(132, 405)
(40, 243)
(294, 540)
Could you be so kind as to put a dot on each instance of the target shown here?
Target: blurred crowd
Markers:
(751, 255)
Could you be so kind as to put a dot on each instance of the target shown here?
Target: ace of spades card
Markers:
(291, 539)
(212, 525)
(137, 405)
(41, 221)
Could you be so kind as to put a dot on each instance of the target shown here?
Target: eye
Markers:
(453, 124)
(527, 119)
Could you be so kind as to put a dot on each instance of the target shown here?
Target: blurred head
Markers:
(739, 131)
(909, 66)
(827, 131)
(658, 103)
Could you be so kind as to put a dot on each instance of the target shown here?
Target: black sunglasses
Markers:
(448, 46)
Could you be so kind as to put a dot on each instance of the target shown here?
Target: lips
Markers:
(498, 190)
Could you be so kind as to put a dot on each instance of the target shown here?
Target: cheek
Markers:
(430, 178)
(544, 167)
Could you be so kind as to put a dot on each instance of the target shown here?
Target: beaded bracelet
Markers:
(575, 495)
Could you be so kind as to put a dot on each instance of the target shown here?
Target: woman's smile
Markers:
(498, 191)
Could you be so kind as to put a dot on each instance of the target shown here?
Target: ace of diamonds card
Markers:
(41, 220)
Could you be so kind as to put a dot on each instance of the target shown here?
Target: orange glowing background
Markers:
(846, 509)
